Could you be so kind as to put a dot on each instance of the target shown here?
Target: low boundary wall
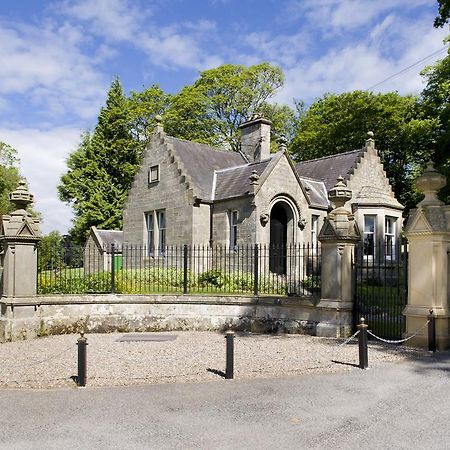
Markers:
(24, 318)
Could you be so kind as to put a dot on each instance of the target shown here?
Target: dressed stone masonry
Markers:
(19, 235)
(428, 233)
(207, 195)
(338, 237)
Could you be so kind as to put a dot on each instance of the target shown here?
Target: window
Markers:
(150, 232)
(233, 229)
(389, 236)
(153, 174)
(161, 218)
(369, 236)
(314, 231)
(156, 232)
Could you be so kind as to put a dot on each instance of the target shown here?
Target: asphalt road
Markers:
(397, 405)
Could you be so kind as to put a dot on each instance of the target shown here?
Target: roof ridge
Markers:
(209, 147)
(254, 163)
(316, 180)
(331, 156)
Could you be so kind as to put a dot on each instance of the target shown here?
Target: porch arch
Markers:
(283, 218)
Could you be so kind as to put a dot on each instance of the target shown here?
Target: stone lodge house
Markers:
(191, 193)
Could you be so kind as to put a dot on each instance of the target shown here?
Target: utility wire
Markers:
(437, 52)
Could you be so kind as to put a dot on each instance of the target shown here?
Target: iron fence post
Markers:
(431, 332)
(362, 341)
(113, 269)
(82, 361)
(185, 269)
(229, 371)
(256, 271)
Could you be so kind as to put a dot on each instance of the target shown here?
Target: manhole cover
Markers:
(146, 337)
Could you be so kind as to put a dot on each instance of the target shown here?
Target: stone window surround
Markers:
(380, 215)
(155, 218)
(233, 220)
(153, 174)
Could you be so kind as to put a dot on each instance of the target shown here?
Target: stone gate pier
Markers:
(428, 233)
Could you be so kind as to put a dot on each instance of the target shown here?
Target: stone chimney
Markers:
(255, 138)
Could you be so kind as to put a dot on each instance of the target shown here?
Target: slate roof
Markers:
(108, 237)
(235, 181)
(200, 162)
(219, 174)
(328, 168)
(316, 192)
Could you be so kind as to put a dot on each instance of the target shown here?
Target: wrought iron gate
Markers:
(381, 286)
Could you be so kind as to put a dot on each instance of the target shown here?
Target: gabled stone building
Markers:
(190, 193)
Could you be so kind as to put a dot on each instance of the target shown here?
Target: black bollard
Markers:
(81, 343)
(362, 340)
(229, 336)
(431, 332)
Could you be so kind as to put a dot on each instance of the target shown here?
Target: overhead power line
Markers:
(437, 52)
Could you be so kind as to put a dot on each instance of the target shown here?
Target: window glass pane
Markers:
(389, 236)
(161, 217)
(369, 235)
(369, 224)
(233, 229)
(150, 232)
(154, 174)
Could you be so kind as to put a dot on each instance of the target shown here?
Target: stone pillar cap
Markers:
(21, 197)
(339, 194)
(429, 183)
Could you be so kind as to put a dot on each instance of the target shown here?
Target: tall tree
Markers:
(9, 175)
(443, 13)
(101, 170)
(338, 123)
(436, 101)
(211, 110)
(143, 107)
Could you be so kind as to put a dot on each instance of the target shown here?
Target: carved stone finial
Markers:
(282, 143)
(429, 183)
(370, 141)
(159, 127)
(254, 177)
(21, 197)
(340, 193)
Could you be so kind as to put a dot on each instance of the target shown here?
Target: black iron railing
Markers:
(245, 270)
(381, 286)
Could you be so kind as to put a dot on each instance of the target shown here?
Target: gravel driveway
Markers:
(50, 362)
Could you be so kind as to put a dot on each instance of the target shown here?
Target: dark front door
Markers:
(278, 239)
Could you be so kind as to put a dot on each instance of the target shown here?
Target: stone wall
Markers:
(170, 193)
(32, 317)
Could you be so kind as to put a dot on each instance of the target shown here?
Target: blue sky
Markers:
(58, 59)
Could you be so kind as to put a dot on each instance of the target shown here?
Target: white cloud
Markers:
(114, 19)
(47, 64)
(170, 45)
(391, 47)
(284, 49)
(344, 15)
(43, 155)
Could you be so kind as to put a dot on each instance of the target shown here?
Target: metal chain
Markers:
(400, 340)
(349, 339)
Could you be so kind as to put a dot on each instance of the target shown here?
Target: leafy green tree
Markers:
(443, 13)
(404, 135)
(211, 110)
(101, 170)
(9, 176)
(142, 109)
(436, 101)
